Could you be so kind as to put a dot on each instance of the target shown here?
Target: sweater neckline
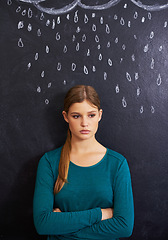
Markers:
(92, 166)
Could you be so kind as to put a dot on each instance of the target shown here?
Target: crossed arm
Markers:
(106, 213)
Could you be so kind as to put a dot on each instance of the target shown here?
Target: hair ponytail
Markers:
(63, 164)
(76, 94)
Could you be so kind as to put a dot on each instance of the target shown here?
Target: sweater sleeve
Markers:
(121, 224)
(48, 222)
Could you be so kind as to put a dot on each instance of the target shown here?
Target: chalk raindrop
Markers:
(107, 29)
(152, 63)
(42, 74)
(73, 38)
(152, 109)
(117, 89)
(136, 76)
(77, 47)
(86, 19)
(20, 43)
(53, 24)
(138, 91)
(152, 35)
(58, 20)
(76, 17)
(123, 47)
(94, 69)
(124, 103)
(96, 39)
(42, 16)
(88, 53)
(30, 13)
(65, 49)
(110, 62)
(84, 38)
(94, 28)
(24, 12)
(100, 57)
(101, 20)
(122, 21)
(135, 15)
(18, 9)
(29, 66)
(36, 56)
(85, 69)
(20, 24)
(38, 89)
(47, 49)
(73, 67)
(108, 44)
(160, 48)
(58, 36)
(128, 76)
(29, 27)
(49, 85)
(116, 40)
(115, 17)
(99, 46)
(78, 29)
(146, 48)
(143, 19)
(149, 16)
(47, 23)
(159, 80)
(47, 101)
(105, 76)
(39, 32)
(59, 66)
(141, 109)
(133, 57)
(9, 2)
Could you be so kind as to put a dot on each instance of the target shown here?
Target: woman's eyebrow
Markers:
(75, 113)
(92, 111)
(87, 112)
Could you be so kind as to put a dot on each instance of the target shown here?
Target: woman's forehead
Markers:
(83, 106)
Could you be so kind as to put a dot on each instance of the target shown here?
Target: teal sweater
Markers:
(103, 185)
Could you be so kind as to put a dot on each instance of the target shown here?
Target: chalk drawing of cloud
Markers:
(153, 7)
(56, 11)
(67, 8)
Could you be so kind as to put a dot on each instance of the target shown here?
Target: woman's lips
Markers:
(85, 131)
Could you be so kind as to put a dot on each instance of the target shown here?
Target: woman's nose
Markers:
(84, 122)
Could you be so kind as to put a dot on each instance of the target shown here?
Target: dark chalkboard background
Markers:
(123, 52)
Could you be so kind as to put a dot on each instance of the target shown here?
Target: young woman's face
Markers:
(83, 120)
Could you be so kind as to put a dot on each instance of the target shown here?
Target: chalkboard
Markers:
(120, 47)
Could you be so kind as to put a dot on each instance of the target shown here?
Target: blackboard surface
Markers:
(118, 47)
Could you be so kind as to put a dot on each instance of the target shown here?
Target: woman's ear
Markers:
(65, 116)
(100, 114)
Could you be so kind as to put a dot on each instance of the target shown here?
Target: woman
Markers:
(83, 190)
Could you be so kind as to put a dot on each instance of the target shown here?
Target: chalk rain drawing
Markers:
(91, 37)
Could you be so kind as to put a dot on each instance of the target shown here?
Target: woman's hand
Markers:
(107, 213)
(56, 210)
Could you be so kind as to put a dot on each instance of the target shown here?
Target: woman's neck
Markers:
(84, 146)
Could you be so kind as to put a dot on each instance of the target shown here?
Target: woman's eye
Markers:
(92, 115)
(75, 116)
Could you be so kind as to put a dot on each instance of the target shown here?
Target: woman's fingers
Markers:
(56, 210)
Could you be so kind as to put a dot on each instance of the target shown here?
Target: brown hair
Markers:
(76, 94)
